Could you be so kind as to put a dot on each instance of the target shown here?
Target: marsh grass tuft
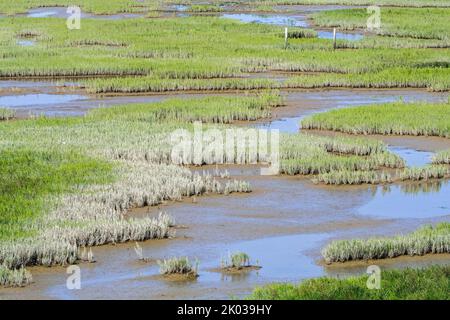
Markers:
(236, 260)
(442, 157)
(425, 173)
(353, 177)
(425, 240)
(14, 277)
(178, 266)
(430, 283)
(7, 114)
(398, 118)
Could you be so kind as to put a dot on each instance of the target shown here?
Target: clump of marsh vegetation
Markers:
(393, 118)
(14, 277)
(430, 283)
(178, 266)
(425, 240)
(442, 157)
(308, 154)
(6, 114)
(353, 177)
(301, 33)
(204, 8)
(339, 177)
(425, 173)
(237, 262)
(433, 79)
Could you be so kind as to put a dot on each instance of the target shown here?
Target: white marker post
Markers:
(285, 37)
(334, 38)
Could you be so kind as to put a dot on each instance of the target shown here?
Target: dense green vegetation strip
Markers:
(392, 118)
(425, 240)
(432, 283)
(30, 178)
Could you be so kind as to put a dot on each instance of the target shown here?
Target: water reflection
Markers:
(237, 277)
(425, 187)
(412, 200)
(340, 35)
(268, 19)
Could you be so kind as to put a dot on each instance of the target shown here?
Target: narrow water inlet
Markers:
(26, 100)
(293, 21)
(26, 43)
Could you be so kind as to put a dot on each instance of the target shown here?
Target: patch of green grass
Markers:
(425, 173)
(93, 6)
(395, 22)
(204, 8)
(423, 241)
(29, 178)
(353, 177)
(150, 84)
(392, 118)
(433, 79)
(442, 157)
(410, 284)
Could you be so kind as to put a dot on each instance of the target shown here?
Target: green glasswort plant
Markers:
(236, 260)
(182, 266)
(14, 277)
(425, 240)
(431, 283)
(392, 118)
